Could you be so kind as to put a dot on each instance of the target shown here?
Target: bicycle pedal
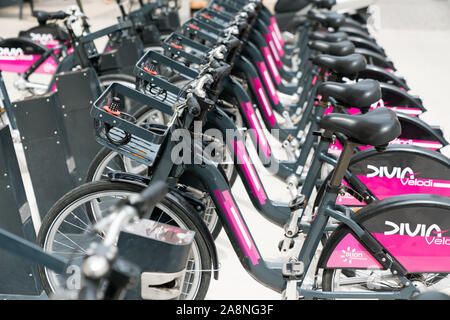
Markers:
(293, 269)
(298, 203)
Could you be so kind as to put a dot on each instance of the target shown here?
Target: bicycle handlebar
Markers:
(221, 72)
(232, 43)
(134, 206)
(149, 197)
(200, 83)
(102, 260)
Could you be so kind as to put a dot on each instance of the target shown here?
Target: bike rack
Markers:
(7, 103)
(44, 139)
(18, 277)
(74, 110)
(57, 124)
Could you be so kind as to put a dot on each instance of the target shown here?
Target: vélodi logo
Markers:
(41, 37)
(384, 171)
(432, 233)
(11, 52)
(406, 175)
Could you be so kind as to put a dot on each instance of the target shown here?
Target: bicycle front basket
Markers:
(119, 131)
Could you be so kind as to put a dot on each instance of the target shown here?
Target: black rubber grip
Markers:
(151, 196)
(233, 43)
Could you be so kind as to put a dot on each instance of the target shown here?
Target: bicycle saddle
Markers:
(327, 18)
(328, 36)
(43, 16)
(376, 128)
(345, 66)
(366, 44)
(349, 22)
(361, 94)
(372, 55)
(352, 31)
(324, 4)
(342, 48)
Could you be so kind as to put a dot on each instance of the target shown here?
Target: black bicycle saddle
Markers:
(342, 48)
(328, 36)
(361, 94)
(328, 19)
(324, 4)
(376, 128)
(344, 66)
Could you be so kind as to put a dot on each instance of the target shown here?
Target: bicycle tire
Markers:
(101, 186)
(92, 174)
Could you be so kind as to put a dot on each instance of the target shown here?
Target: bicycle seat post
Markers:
(343, 163)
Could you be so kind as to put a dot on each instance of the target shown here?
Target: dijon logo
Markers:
(395, 172)
(351, 254)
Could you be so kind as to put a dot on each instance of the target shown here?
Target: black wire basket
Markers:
(163, 78)
(161, 70)
(214, 17)
(206, 33)
(185, 50)
(119, 131)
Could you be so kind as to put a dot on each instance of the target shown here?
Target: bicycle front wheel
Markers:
(67, 231)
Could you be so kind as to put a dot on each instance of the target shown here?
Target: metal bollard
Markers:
(44, 139)
(18, 277)
(77, 90)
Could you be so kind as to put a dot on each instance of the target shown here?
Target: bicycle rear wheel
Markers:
(410, 228)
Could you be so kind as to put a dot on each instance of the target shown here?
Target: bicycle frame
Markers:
(79, 50)
(30, 251)
(216, 185)
(265, 26)
(242, 240)
(270, 102)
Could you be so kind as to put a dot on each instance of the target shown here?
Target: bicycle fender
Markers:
(382, 75)
(204, 231)
(184, 203)
(394, 96)
(408, 231)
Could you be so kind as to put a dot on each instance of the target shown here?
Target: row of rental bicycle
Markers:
(322, 109)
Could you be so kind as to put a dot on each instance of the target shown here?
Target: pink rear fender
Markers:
(414, 230)
(18, 55)
(399, 170)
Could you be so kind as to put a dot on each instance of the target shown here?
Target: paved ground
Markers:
(415, 34)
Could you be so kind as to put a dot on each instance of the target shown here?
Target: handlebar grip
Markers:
(44, 16)
(151, 196)
(61, 15)
(233, 43)
(221, 72)
(242, 25)
(193, 106)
